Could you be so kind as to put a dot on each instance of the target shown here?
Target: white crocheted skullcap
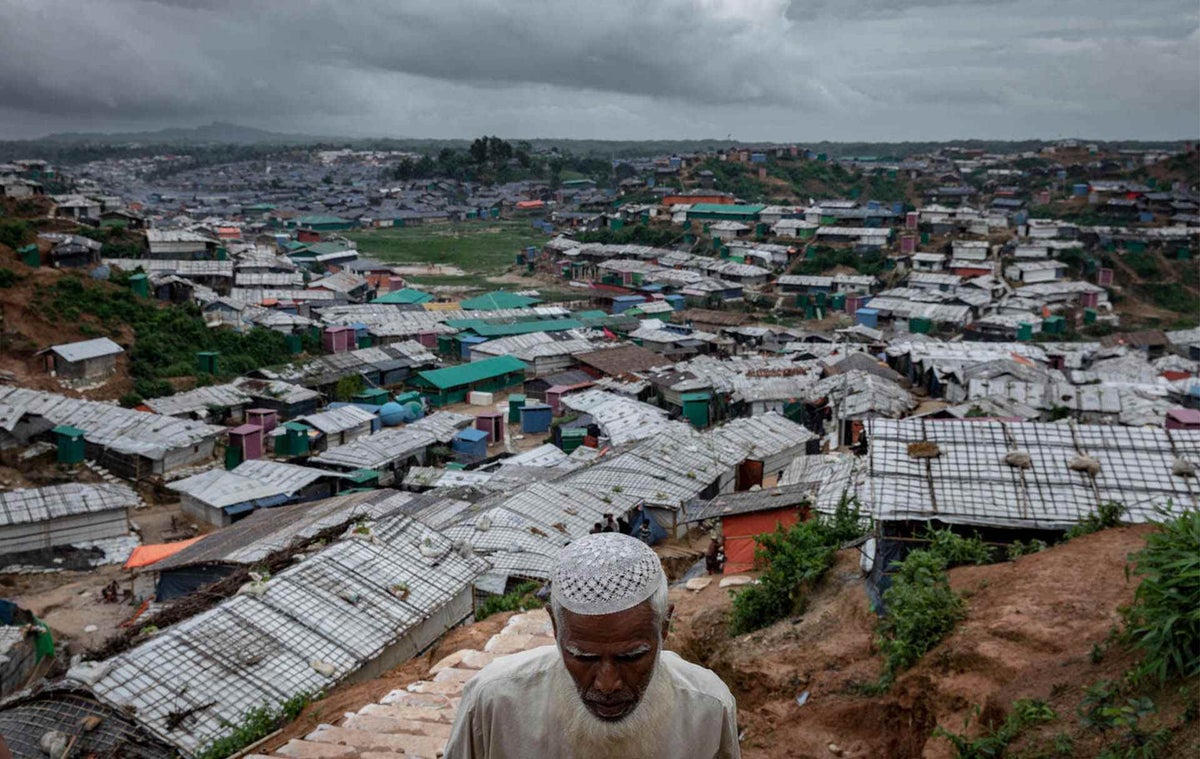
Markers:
(604, 573)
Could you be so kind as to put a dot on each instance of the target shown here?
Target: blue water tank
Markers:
(392, 414)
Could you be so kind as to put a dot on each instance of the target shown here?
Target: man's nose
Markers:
(608, 678)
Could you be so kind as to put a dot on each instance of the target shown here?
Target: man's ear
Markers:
(666, 625)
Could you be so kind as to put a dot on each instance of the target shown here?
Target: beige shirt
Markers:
(504, 709)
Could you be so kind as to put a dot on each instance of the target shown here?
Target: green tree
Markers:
(14, 233)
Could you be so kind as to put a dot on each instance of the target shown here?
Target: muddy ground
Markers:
(1029, 633)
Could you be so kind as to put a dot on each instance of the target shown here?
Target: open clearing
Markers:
(468, 252)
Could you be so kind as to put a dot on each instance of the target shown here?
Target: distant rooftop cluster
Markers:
(705, 342)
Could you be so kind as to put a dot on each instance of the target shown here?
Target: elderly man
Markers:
(607, 689)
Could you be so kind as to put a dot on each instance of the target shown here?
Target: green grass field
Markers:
(481, 249)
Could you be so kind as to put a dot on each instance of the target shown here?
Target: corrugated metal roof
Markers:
(523, 530)
(476, 371)
(970, 483)
(858, 394)
(339, 607)
(621, 419)
(341, 282)
(119, 429)
(264, 532)
(334, 420)
(378, 451)
(29, 505)
(277, 390)
(750, 502)
(622, 359)
(256, 481)
(87, 349)
(199, 400)
(442, 424)
(497, 300)
(181, 267)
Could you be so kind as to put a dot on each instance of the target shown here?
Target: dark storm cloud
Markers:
(774, 69)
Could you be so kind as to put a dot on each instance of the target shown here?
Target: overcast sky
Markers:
(804, 70)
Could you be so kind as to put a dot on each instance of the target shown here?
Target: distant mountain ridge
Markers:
(215, 132)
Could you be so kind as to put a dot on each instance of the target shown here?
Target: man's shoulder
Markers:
(520, 666)
(696, 679)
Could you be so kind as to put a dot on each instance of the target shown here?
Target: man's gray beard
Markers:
(641, 733)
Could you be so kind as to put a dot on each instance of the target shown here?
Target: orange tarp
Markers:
(143, 556)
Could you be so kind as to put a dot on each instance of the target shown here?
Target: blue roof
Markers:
(472, 435)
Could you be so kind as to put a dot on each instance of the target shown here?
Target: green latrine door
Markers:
(695, 408)
(71, 445)
(206, 362)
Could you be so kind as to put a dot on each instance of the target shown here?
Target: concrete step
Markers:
(454, 675)
(422, 745)
(450, 690)
(416, 721)
(463, 659)
(368, 723)
(409, 698)
(501, 645)
(443, 715)
(297, 749)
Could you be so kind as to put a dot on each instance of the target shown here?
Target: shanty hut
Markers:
(26, 721)
(36, 520)
(623, 359)
(747, 514)
(222, 497)
(24, 644)
(287, 399)
(1019, 480)
(452, 384)
(391, 451)
(252, 540)
(88, 359)
(375, 598)
(131, 444)
(339, 425)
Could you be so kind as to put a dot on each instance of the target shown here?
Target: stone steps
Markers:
(416, 721)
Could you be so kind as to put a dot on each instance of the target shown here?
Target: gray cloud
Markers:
(760, 69)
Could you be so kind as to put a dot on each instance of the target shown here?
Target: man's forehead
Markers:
(628, 626)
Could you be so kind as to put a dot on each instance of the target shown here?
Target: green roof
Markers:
(476, 371)
(360, 476)
(727, 209)
(404, 297)
(324, 248)
(67, 430)
(484, 329)
(497, 300)
(589, 314)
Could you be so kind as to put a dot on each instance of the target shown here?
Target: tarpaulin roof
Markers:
(143, 556)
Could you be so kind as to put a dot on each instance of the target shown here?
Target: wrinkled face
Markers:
(611, 657)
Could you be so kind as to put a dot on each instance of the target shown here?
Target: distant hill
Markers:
(218, 132)
(76, 147)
